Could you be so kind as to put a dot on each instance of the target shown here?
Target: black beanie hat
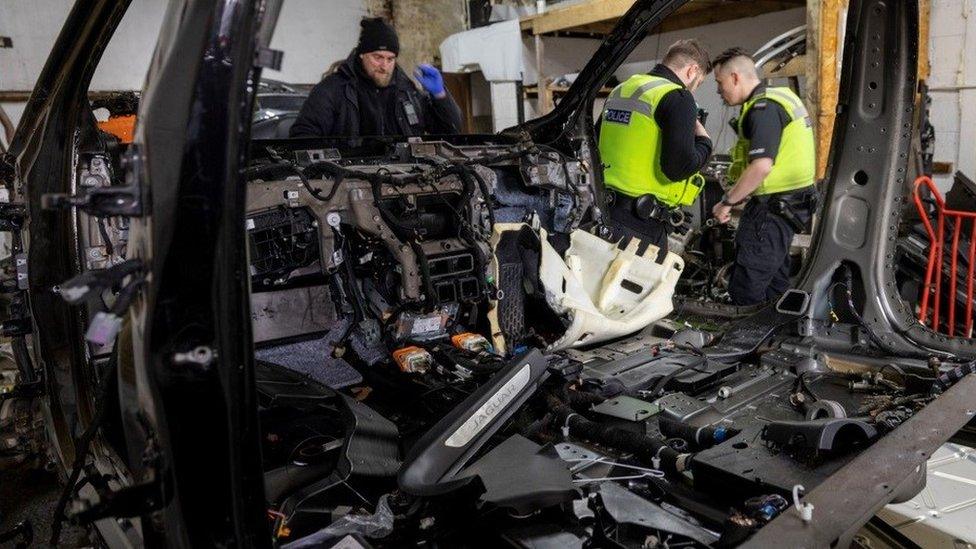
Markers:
(375, 35)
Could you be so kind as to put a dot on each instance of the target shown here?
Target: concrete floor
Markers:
(32, 495)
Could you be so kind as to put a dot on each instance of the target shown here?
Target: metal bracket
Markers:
(20, 263)
(13, 274)
(78, 288)
(200, 356)
(129, 200)
(133, 501)
(629, 408)
(124, 201)
(268, 58)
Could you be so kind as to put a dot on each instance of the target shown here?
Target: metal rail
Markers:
(932, 288)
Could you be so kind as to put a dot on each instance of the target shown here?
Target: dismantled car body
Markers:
(405, 341)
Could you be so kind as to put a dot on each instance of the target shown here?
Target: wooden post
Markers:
(545, 96)
(924, 18)
(824, 26)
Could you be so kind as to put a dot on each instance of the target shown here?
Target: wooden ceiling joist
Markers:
(600, 16)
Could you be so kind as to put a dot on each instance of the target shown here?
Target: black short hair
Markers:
(730, 54)
(687, 51)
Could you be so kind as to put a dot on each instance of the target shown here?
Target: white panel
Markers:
(14, 111)
(126, 59)
(967, 133)
(945, 54)
(948, 17)
(504, 105)
(944, 111)
(942, 515)
(495, 50)
(33, 26)
(315, 34)
(946, 147)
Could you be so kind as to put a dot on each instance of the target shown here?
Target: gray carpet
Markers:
(27, 494)
(314, 359)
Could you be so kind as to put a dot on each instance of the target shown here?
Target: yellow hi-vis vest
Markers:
(630, 143)
(794, 165)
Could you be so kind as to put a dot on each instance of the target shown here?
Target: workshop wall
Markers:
(953, 85)
(564, 55)
(423, 25)
(313, 37)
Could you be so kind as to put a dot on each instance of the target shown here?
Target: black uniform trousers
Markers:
(762, 256)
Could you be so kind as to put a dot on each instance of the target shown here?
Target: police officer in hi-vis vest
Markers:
(652, 146)
(773, 168)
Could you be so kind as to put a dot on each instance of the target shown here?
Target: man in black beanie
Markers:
(370, 95)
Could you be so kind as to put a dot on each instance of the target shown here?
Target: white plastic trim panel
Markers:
(609, 292)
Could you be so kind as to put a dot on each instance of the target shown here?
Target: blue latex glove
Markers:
(430, 78)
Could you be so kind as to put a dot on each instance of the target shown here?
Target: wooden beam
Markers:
(15, 96)
(600, 16)
(545, 96)
(824, 28)
(924, 25)
(698, 15)
(584, 13)
(604, 27)
(22, 96)
(823, 79)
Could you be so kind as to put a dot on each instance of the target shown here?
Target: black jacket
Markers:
(682, 152)
(332, 107)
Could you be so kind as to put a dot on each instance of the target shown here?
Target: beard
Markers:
(381, 80)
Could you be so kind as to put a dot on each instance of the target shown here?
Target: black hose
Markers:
(875, 340)
(849, 285)
(948, 379)
(469, 172)
(701, 437)
(109, 250)
(281, 163)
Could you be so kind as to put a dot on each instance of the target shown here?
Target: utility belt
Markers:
(646, 207)
(790, 204)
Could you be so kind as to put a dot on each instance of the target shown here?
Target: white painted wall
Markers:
(565, 55)
(952, 50)
(34, 25)
(313, 34)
